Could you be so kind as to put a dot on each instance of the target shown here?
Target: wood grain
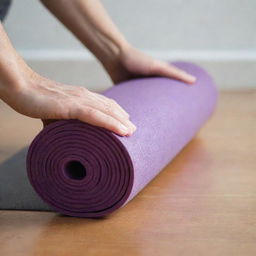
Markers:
(203, 203)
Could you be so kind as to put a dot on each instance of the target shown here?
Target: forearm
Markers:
(12, 67)
(90, 23)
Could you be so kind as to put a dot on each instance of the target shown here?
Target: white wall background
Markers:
(220, 35)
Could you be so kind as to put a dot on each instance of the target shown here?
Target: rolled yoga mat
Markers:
(87, 171)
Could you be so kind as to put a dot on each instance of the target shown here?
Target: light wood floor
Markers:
(203, 203)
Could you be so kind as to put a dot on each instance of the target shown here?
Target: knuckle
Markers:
(81, 90)
(108, 107)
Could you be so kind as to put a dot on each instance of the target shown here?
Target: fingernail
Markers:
(190, 77)
(124, 129)
(133, 127)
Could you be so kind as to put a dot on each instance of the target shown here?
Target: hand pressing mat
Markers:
(87, 171)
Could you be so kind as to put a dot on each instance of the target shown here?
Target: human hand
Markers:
(100, 35)
(39, 97)
(132, 63)
(35, 96)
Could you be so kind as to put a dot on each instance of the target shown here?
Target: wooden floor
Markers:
(203, 203)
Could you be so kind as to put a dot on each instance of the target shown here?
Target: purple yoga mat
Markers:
(87, 171)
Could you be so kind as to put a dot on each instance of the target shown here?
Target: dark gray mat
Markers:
(16, 192)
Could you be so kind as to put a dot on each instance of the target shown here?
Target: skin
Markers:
(35, 96)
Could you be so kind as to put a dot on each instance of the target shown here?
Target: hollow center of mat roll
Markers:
(75, 170)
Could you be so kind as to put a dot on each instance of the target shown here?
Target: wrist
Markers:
(9, 91)
(113, 59)
(13, 81)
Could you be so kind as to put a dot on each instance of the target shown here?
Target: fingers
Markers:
(111, 108)
(105, 99)
(164, 69)
(98, 118)
(101, 111)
